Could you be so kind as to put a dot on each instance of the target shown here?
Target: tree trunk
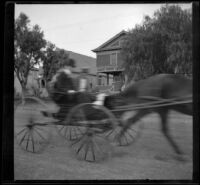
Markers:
(23, 93)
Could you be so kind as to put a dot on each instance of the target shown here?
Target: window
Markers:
(113, 59)
(99, 80)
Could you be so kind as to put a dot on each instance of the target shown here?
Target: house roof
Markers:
(83, 61)
(101, 47)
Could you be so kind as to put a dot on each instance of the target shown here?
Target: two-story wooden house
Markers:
(109, 60)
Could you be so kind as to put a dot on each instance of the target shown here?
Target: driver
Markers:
(61, 89)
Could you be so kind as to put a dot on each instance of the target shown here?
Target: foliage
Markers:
(31, 49)
(28, 42)
(162, 44)
(54, 59)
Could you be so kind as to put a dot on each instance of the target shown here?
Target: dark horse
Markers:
(161, 86)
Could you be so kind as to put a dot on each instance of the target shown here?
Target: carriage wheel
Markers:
(30, 134)
(91, 147)
(71, 132)
(84, 126)
(125, 138)
(76, 124)
(130, 135)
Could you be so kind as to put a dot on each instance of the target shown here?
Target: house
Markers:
(83, 61)
(109, 61)
(36, 83)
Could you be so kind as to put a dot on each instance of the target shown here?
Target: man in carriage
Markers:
(67, 90)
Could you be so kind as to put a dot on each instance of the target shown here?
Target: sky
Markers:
(83, 27)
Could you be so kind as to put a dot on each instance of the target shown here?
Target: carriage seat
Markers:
(100, 98)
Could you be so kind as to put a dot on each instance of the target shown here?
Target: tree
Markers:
(53, 60)
(162, 44)
(28, 42)
(49, 62)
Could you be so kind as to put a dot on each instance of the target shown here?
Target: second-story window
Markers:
(113, 59)
(99, 80)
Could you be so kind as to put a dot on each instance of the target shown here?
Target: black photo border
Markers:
(7, 167)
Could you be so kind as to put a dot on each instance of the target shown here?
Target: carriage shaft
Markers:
(91, 124)
(149, 106)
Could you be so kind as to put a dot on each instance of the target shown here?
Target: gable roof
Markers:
(82, 61)
(100, 48)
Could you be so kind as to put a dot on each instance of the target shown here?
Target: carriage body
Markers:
(77, 119)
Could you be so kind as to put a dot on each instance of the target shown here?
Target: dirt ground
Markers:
(150, 157)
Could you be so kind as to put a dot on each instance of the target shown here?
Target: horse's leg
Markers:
(165, 129)
(132, 120)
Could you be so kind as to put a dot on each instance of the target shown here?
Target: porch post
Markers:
(97, 78)
(107, 78)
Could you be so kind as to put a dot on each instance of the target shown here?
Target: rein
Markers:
(158, 102)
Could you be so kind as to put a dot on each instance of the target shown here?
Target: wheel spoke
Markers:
(119, 139)
(130, 135)
(21, 131)
(80, 148)
(76, 134)
(126, 138)
(87, 147)
(23, 138)
(133, 130)
(32, 142)
(81, 134)
(92, 150)
(40, 128)
(75, 142)
(66, 128)
(110, 133)
(94, 142)
(61, 128)
(80, 131)
(40, 134)
(70, 134)
(27, 141)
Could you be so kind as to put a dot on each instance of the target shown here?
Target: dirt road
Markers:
(151, 157)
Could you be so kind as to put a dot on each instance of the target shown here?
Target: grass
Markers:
(151, 157)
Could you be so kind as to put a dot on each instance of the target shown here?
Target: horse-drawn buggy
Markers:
(86, 119)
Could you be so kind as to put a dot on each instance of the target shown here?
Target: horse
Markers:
(160, 86)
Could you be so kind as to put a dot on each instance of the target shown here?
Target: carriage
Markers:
(88, 124)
